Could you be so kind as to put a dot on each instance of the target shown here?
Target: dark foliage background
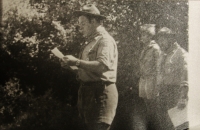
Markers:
(35, 92)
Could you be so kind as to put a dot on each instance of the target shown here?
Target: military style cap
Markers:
(148, 28)
(89, 10)
(165, 32)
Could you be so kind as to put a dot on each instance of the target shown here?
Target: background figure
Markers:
(97, 63)
(148, 84)
(174, 87)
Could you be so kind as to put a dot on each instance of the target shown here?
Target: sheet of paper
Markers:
(178, 116)
(57, 53)
(74, 67)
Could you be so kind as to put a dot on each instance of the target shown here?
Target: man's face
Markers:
(145, 38)
(85, 26)
(163, 43)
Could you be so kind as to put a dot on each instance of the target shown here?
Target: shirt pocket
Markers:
(92, 55)
(169, 68)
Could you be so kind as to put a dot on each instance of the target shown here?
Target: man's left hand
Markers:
(182, 103)
(70, 60)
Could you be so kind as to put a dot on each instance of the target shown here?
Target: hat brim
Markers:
(80, 13)
(165, 35)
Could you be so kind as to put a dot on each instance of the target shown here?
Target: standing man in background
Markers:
(174, 87)
(97, 71)
(145, 116)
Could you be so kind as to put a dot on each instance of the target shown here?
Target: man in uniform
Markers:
(97, 71)
(145, 113)
(174, 87)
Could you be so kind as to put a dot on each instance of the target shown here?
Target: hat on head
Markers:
(148, 28)
(89, 10)
(165, 32)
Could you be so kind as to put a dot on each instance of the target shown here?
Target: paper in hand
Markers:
(57, 53)
(74, 67)
(178, 116)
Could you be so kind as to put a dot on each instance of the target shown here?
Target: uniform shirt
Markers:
(149, 70)
(175, 66)
(101, 47)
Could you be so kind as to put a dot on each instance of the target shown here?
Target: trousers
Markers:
(97, 102)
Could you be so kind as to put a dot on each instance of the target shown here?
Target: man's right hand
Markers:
(63, 64)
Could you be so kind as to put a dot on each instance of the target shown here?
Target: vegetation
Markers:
(35, 92)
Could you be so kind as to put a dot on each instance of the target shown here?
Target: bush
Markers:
(26, 111)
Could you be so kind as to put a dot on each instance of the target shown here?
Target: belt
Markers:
(96, 83)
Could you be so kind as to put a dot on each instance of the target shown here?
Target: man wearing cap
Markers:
(145, 112)
(97, 71)
(174, 85)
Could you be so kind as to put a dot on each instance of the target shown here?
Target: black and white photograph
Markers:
(99, 65)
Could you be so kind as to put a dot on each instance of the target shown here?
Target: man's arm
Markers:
(184, 76)
(104, 59)
(183, 90)
(93, 66)
(157, 75)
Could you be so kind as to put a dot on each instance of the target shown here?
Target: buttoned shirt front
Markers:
(175, 66)
(101, 47)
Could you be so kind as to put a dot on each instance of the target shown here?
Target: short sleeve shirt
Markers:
(101, 48)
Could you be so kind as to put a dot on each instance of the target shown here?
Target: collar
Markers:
(99, 31)
(173, 48)
(172, 51)
(151, 43)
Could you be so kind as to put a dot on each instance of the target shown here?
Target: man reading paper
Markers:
(98, 95)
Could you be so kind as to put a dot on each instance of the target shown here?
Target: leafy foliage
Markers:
(29, 71)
